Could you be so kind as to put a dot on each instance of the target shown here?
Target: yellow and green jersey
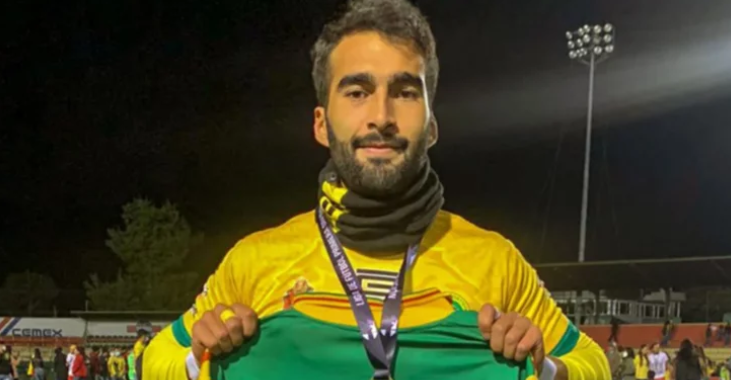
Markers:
(281, 272)
(314, 340)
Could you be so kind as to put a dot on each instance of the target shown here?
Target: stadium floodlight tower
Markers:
(590, 45)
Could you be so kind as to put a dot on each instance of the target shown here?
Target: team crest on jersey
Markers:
(300, 286)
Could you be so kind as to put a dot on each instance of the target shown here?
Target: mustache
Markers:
(390, 141)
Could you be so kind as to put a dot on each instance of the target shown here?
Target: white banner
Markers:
(127, 329)
(20, 327)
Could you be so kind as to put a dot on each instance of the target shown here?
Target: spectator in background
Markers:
(627, 368)
(709, 335)
(104, 364)
(642, 365)
(116, 365)
(6, 368)
(687, 365)
(131, 364)
(724, 372)
(667, 332)
(39, 369)
(658, 361)
(79, 368)
(70, 361)
(59, 364)
(719, 332)
(727, 334)
(94, 363)
(14, 362)
(614, 332)
(614, 356)
(706, 363)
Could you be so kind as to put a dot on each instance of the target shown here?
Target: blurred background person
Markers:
(39, 370)
(59, 364)
(79, 368)
(687, 364)
(6, 368)
(642, 365)
(627, 367)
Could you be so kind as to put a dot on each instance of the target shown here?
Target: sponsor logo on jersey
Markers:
(376, 283)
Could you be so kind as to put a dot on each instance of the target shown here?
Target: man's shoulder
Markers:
(456, 233)
(294, 235)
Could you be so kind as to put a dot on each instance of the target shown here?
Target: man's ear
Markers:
(319, 126)
(433, 131)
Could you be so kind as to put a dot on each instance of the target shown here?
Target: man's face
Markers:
(656, 348)
(377, 122)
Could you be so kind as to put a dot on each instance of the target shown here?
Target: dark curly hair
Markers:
(397, 20)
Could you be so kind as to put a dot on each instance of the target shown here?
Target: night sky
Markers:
(209, 104)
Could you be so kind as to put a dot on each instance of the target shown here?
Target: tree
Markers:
(28, 293)
(152, 244)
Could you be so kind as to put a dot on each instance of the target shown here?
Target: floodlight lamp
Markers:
(569, 35)
(607, 38)
(571, 44)
(609, 48)
(597, 29)
(580, 32)
(608, 28)
(598, 50)
(587, 28)
(586, 38)
(596, 40)
(573, 54)
(579, 43)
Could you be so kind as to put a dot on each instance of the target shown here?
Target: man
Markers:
(375, 74)
(614, 330)
(6, 368)
(70, 361)
(116, 365)
(138, 349)
(614, 357)
(659, 361)
(94, 369)
(103, 373)
(131, 364)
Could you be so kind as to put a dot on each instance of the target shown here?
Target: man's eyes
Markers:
(356, 94)
(409, 94)
(405, 94)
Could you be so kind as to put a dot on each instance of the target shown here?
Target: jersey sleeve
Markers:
(164, 358)
(583, 358)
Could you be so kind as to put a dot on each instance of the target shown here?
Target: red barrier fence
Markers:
(637, 335)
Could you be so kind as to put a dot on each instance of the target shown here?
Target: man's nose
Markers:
(383, 115)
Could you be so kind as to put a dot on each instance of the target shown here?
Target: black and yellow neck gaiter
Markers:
(380, 224)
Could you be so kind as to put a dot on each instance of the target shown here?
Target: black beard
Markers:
(379, 179)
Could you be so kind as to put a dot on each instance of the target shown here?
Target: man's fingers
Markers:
(514, 336)
(530, 344)
(203, 339)
(235, 330)
(485, 319)
(219, 330)
(223, 329)
(249, 319)
(499, 329)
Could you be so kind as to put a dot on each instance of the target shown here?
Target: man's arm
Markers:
(165, 357)
(576, 356)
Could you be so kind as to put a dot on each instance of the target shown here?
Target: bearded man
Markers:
(345, 290)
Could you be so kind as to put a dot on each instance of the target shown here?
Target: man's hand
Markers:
(223, 329)
(512, 335)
